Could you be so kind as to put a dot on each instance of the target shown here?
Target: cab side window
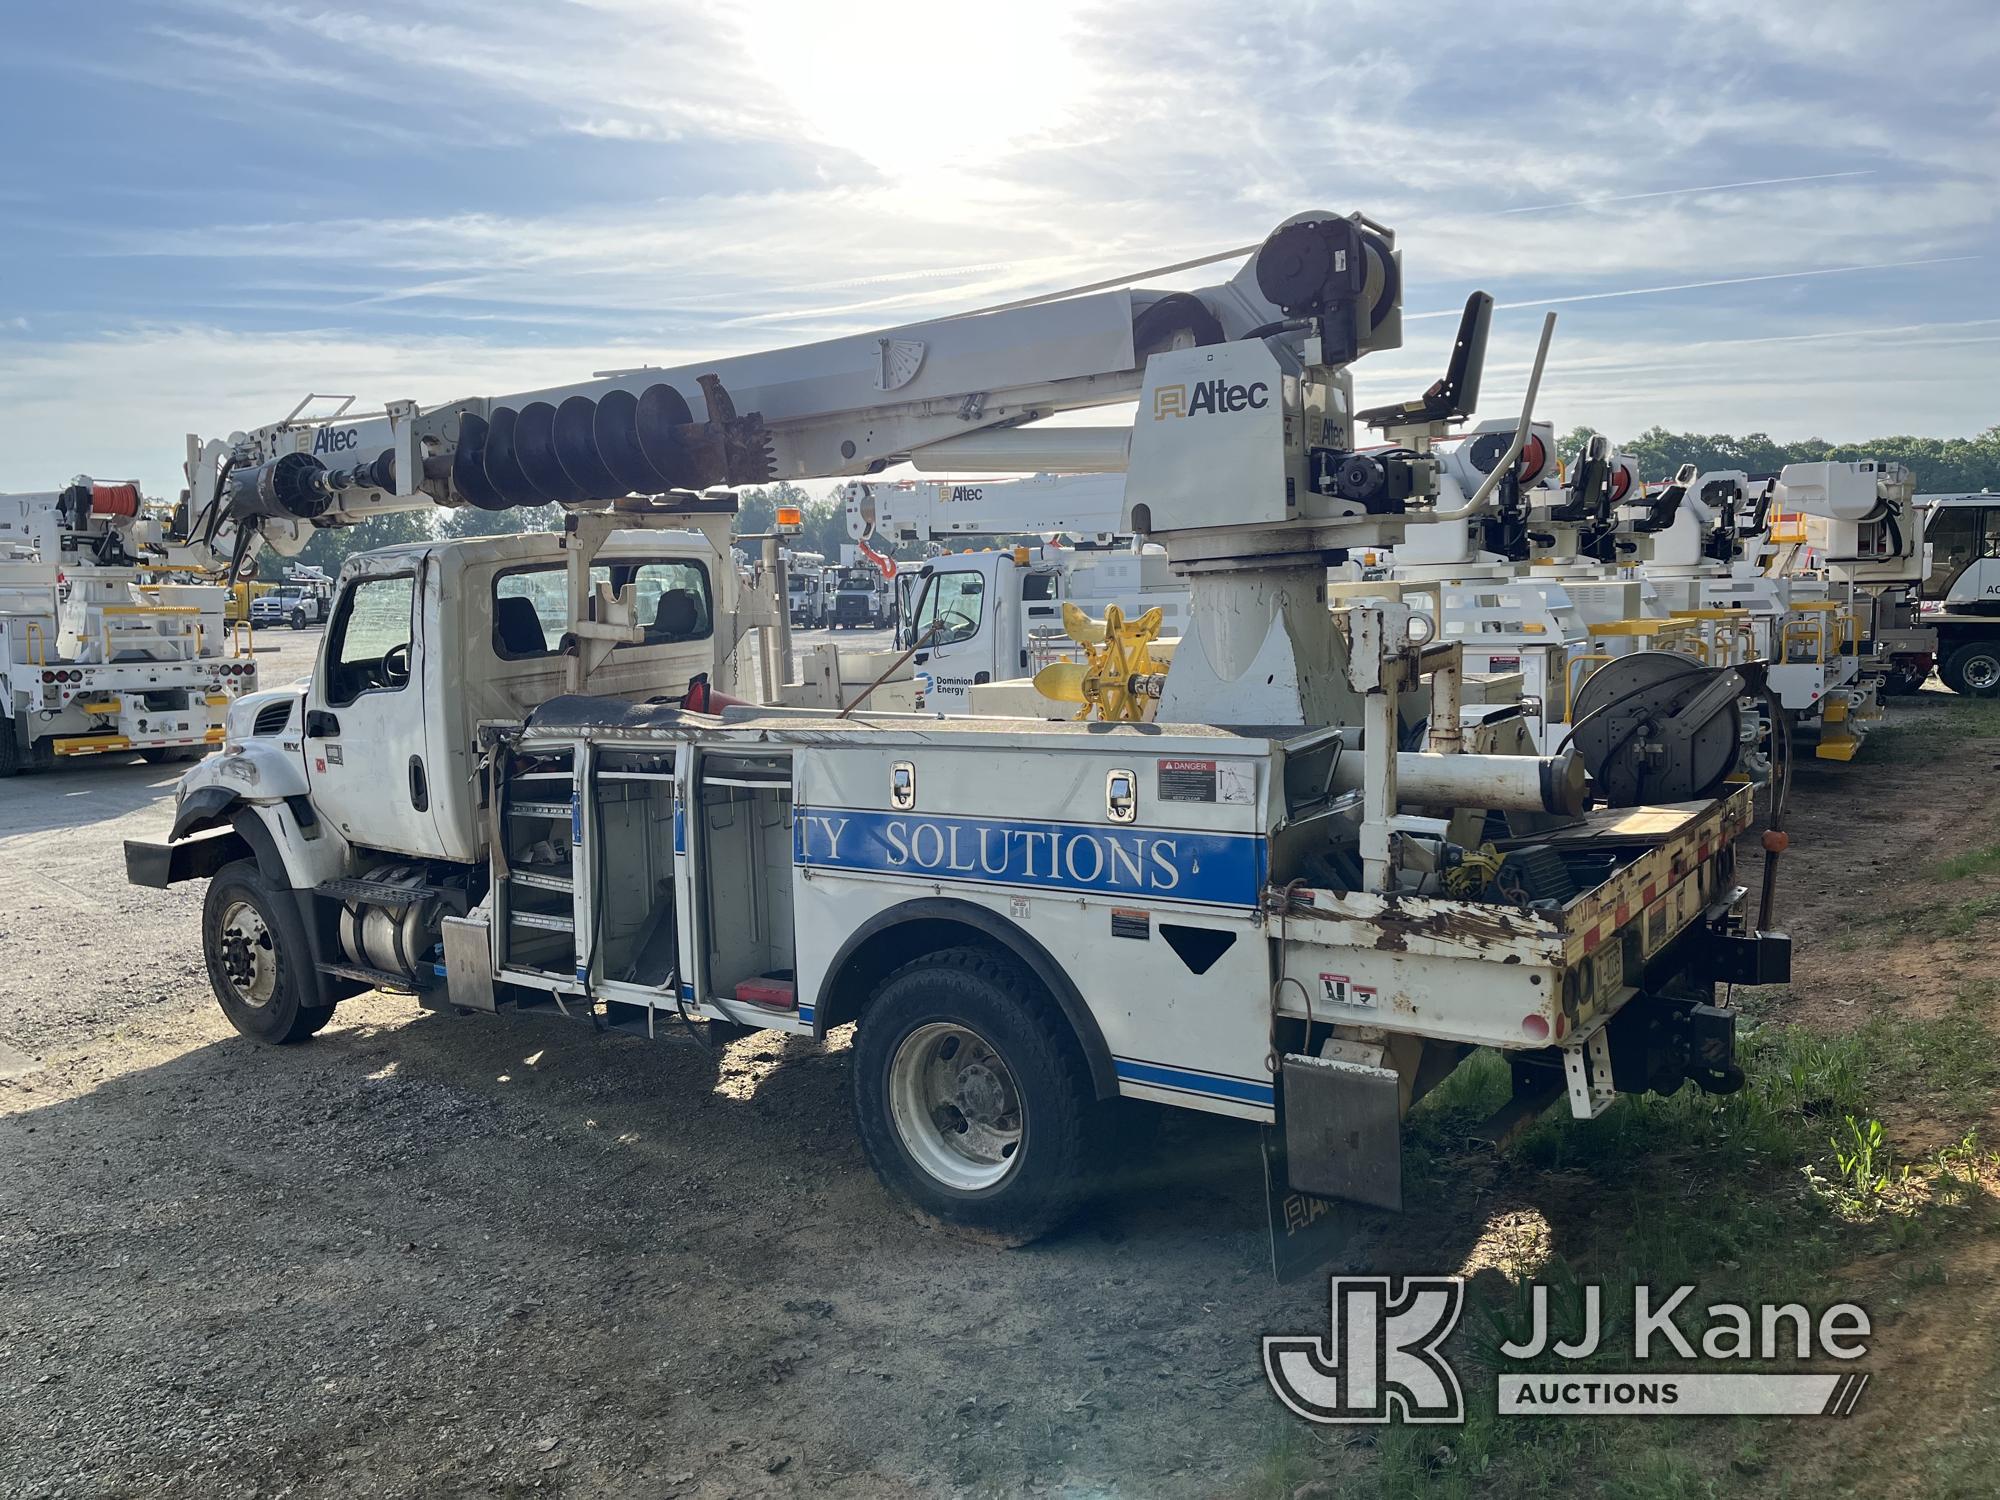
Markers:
(530, 612)
(953, 607)
(670, 600)
(368, 644)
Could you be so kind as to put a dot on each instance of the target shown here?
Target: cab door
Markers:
(364, 722)
(954, 629)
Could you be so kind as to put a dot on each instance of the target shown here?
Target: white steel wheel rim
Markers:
(249, 957)
(1982, 672)
(955, 1106)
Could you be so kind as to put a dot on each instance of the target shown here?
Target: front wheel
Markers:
(259, 964)
(1973, 671)
(971, 1096)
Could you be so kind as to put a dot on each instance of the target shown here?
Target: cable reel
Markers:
(1656, 726)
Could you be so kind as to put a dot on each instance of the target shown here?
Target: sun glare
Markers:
(914, 87)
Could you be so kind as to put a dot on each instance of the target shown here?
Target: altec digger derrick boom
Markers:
(953, 394)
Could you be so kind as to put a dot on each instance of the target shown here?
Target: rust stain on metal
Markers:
(1479, 926)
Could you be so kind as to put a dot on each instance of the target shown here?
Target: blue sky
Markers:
(1777, 215)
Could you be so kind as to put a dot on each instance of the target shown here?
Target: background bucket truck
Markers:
(98, 651)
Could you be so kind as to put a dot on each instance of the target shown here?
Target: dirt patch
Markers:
(1860, 889)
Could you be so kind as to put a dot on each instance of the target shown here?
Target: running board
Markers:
(374, 892)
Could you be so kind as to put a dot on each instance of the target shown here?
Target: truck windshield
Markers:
(952, 607)
(1959, 535)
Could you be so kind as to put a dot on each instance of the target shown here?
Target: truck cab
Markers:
(1961, 588)
(374, 758)
(980, 617)
(862, 599)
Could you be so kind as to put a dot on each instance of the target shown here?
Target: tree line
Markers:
(1941, 465)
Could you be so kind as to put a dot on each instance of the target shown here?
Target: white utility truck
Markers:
(995, 614)
(1259, 905)
(862, 595)
(805, 589)
(94, 656)
(303, 599)
(1961, 589)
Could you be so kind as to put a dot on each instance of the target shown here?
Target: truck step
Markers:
(544, 878)
(381, 979)
(538, 810)
(542, 921)
(374, 892)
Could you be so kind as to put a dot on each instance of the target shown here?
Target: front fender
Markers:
(205, 807)
(262, 769)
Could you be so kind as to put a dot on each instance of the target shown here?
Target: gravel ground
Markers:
(436, 1255)
(431, 1255)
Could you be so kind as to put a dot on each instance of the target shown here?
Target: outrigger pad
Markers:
(1344, 1130)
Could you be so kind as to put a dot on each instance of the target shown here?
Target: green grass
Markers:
(1964, 866)
(1950, 1060)
(1932, 731)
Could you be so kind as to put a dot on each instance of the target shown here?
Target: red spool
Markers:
(114, 499)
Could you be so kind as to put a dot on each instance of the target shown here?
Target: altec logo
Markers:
(1208, 396)
(336, 439)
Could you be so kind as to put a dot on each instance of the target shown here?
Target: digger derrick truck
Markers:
(1259, 906)
(100, 652)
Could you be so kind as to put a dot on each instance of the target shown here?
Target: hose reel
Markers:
(1655, 726)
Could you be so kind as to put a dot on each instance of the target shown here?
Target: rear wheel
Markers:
(971, 1096)
(10, 748)
(298, 619)
(259, 963)
(1973, 671)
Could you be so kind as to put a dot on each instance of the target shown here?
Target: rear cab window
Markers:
(671, 598)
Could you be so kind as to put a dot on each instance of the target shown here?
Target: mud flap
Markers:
(1344, 1130)
(468, 963)
(1306, 1231)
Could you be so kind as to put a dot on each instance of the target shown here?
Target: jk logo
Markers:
(1380, 1353)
